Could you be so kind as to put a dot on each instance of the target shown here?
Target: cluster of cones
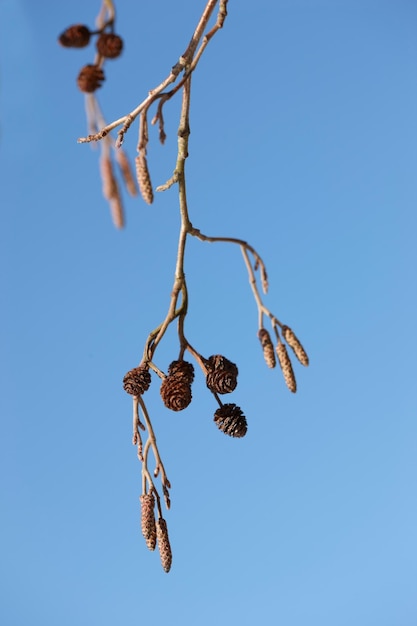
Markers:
(221, 378)
(108, 46)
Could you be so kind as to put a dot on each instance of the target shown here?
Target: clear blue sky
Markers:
(304, 135)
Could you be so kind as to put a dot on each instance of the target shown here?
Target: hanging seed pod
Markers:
(148, 525)
(221, 374)
(144, 179)
(182, 370)
(175, 393)
(285, 363)
(90, 78)
(230, 419)
(295, 344)
(137, 380)
(164, 546)
(109, 45)
(75, 36)
(267, 347)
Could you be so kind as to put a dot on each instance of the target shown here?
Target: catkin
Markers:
(126, 172)
(164, 546)
(285, 363)
(148, 525)
(295, 344)
(144, 179)
(267, 347)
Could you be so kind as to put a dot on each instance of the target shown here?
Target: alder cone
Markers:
(164, 546)
(267, 347)
(90, 78)
(137, 380)
(148, 525)
(75, 36)
(175, 393)
(183, 370)
(231, 420)
(109, 45)
(221, 374)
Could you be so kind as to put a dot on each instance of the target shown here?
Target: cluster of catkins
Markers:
(282, 354)
(108, 46)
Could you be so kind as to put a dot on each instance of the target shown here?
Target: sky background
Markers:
(303, 141)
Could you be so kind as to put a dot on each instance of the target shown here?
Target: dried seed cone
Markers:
(230, 419)
(109, 45)
(147, 503)
(183, 370)
(164, 546)
(295, 344)
(221, 374)
(267, 347)
(137, 380)
(175, 393)
(144, 179)
(90, 78)
(285, 363)
(75, 36)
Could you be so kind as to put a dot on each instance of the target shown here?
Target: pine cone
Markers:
(109, 45)
(230, 419)
(285, 363)
(183, 370)
(144, 178)
(76, 36)
(267, 347)
(90, 78)
(221, 374)
(164, 546)
(137, 380)
(175, 393)
(295, 344)
(147, 503)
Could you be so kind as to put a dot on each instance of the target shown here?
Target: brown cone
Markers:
(147, 502)
(90, 78)
(183, 370)
(137, 380)
(221, 374)
(75, 36)
(109, 45)
(230, 419)
(164, 546)
(175, 393)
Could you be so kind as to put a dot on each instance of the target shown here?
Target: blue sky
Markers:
(303, 141)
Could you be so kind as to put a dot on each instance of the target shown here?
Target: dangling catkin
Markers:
(163, 544)
(267, 347)
(144, 179)
(285, 363)
(295, 344)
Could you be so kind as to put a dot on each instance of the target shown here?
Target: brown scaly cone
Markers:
(90, 78)
(295, 344)
(148, 525)
(144, 179)
(164, 546)
(221, 374)
(137, 380)
(109, 45)
(75, 36)
(267, 347)
(230, 419)
(175, 393)
(183, 370)
(285, 363)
